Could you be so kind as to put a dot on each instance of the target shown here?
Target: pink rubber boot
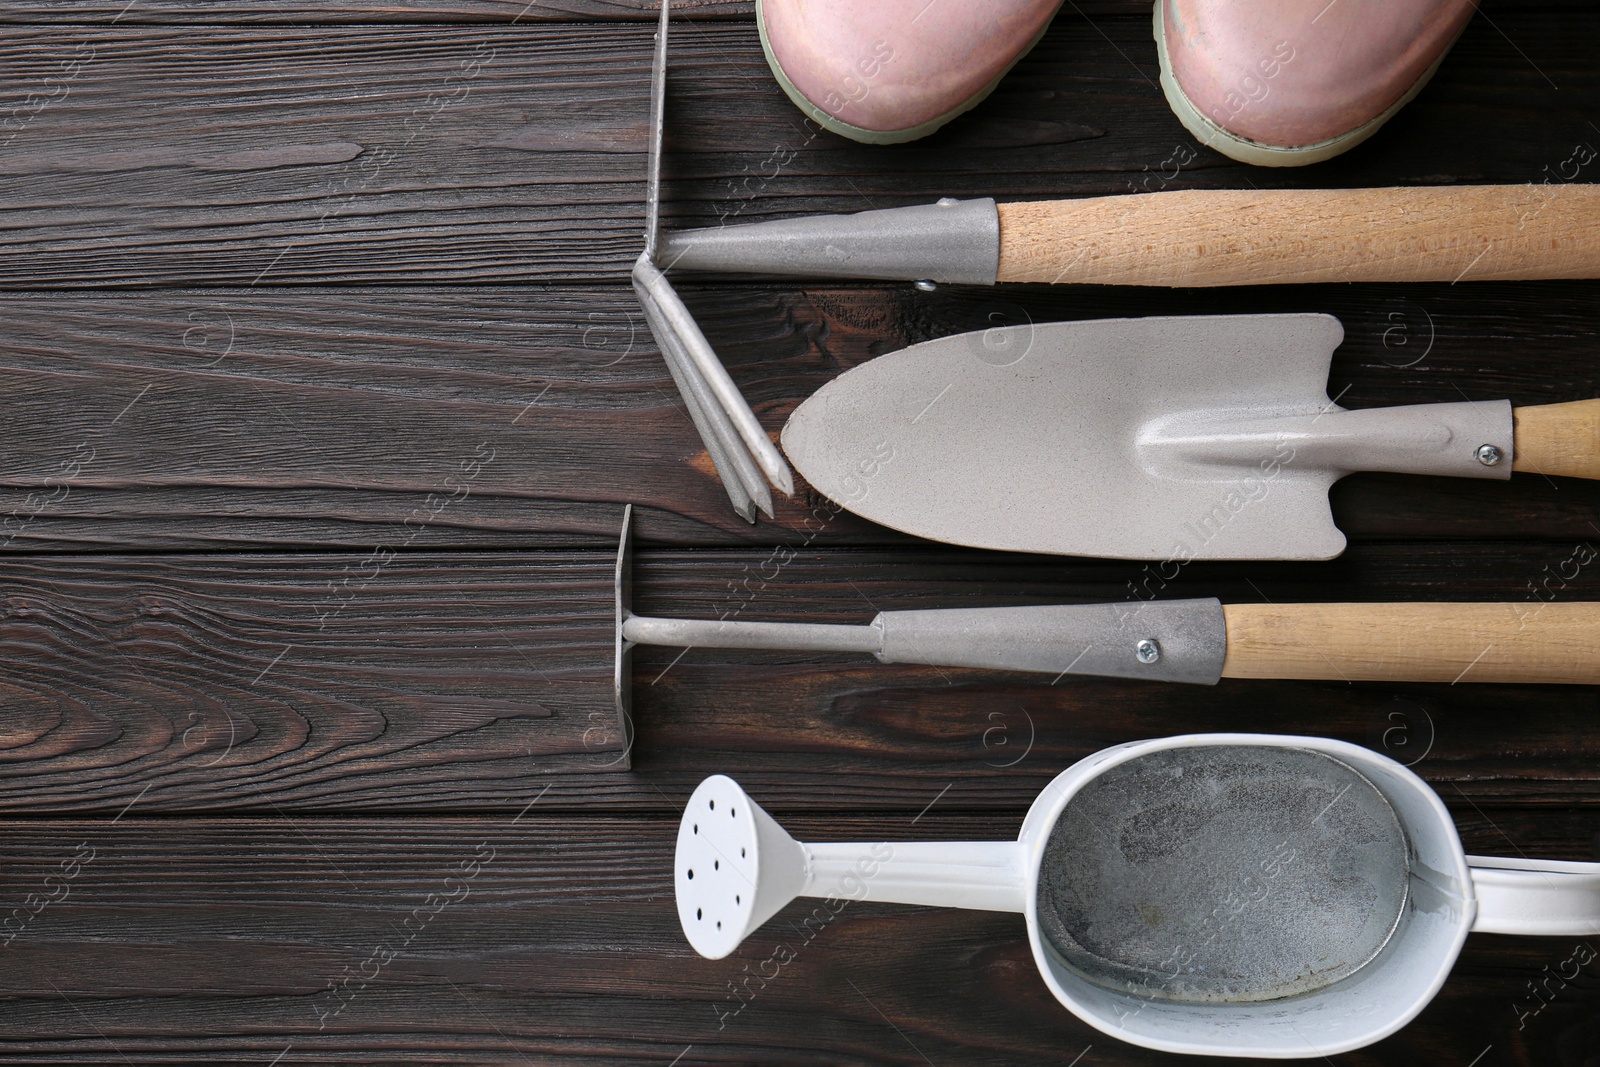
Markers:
(894, 70)
(1282, 83)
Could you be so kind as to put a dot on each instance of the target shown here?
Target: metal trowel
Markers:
(1177, 438)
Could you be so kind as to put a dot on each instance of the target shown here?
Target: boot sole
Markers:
(1265, 155)
(866, 136)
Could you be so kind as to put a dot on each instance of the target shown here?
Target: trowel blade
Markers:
(1036, 438)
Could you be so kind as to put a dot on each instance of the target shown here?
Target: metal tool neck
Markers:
(724, 633)
(1167, 640)
(955, 241)
(1439, 439)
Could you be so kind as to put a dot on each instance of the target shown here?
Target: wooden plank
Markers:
(471, 681)
(313, 12)
(297, 418)
(290, 155)
(324, 12)
(984, 736)
(555, 940)
(377, 676)
(485, 401)
(207, 419)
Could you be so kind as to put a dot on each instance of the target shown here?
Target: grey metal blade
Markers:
(622, 656)
(742, 479)
(746, 489)
(686, 335)
(739, 494)
(1048, 438)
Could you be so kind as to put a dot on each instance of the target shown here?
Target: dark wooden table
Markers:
(324, 390)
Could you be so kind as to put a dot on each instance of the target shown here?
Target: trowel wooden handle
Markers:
(1558, 439)
(1200, 237)
(1532, 641)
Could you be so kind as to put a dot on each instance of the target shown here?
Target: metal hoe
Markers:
(1199, 641)
(745, 457)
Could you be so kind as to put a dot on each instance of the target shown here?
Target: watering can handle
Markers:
(1561, 439)
(1536, 896)
(1207, 237)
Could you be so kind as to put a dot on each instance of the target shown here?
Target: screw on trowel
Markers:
(745, 457)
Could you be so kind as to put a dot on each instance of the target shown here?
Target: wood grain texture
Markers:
(1511, 642)
(278, 155)
(554, 940)
(333, 12)
(470, 682)
(987, 735)
(230, 419)
(325, 12)
(1558, 439)
(267, 282)
(1196, 237)
(255, 681)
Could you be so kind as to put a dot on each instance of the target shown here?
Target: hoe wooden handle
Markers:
(1535, 641)
(1205, 237)
(1558, 439)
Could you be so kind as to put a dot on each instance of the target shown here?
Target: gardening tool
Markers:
(1216, 894)
(1181, 238)
(1198, 641)
(1173, 238)
(1181, 438)
(745, 457)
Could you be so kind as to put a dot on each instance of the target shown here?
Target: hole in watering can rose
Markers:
(1226, 873)
(699, 913)
(737, 899)
(733, 813)
(691, 874)
(696, 827)
(741, 853)
(716, 865)
(713, 804)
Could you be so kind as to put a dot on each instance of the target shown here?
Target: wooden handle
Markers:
(1535, 641)
(1558, 439)
(1199, 237)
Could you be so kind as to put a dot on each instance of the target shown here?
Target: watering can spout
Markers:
(735, 868)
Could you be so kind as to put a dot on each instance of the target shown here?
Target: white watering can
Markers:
(1217, 894)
